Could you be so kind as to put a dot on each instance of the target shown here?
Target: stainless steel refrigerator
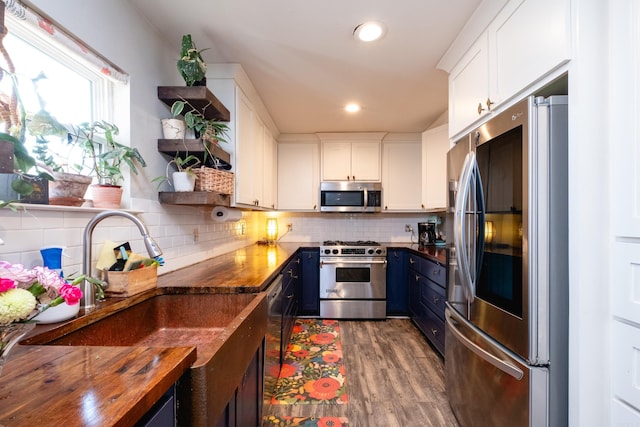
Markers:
(506, 346)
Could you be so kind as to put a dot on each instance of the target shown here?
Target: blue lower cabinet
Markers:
(426, 281)
(309, 288)
(163, 413)
(245, 408)
(397, 289)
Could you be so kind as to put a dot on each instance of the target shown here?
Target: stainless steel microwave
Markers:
(350, 196)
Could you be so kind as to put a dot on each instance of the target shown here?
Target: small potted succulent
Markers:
(191, 66)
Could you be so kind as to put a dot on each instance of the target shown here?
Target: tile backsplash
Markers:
(186, 234)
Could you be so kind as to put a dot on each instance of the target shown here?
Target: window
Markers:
(72, 86)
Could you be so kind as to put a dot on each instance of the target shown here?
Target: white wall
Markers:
(589, 216)
(116, 30)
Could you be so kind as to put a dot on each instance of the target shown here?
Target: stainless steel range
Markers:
(353, 280)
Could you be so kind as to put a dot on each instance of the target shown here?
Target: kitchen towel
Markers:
(222, 214)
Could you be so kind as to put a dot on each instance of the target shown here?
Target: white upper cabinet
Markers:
(527, 40)
(523, 44)
(298, 172)
(251, 137)
(270, 170)
(435, 145)
(469, 87)
(402, 174)
(351, 156)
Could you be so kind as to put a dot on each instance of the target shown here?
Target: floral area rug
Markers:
(273, 421)
(312, 371)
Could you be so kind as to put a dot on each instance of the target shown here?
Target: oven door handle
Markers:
(354, 261)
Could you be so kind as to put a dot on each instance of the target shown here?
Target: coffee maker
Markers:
(426, 234)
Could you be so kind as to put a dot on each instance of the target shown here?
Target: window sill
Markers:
(61, 208)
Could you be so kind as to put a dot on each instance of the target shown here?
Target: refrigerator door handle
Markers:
(460, 224)
(504, 365)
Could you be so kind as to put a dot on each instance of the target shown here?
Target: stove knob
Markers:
(327, 251)
(378, 251)
(335, 252)
(370, 251)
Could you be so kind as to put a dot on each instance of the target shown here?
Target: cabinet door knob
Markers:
(348, 178)
(480, 109)
(353, 177)
(314, 207)
(417, 278)
(411, 261)
(489, 104)
(434, 332)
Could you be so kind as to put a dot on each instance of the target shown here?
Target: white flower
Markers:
(16, 304)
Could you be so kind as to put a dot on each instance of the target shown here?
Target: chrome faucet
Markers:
(88, 292)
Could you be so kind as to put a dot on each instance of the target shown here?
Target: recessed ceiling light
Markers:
(352, 107)
(370, 31)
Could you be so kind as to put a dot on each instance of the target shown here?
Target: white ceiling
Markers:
(304, 62)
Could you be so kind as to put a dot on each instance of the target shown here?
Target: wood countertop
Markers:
(91, 386)
(86, 386)
(435, 253)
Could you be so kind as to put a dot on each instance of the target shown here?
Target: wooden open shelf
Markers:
(182, 147)
(199, 96)
(194, 198)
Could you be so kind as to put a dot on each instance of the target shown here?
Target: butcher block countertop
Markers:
(104, 386)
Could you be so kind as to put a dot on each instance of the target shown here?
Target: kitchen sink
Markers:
(226, 329)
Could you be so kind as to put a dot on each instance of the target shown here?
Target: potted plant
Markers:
(184, 179)
(70, 180)
(191, 66)
(16, 124)
(208, 130)
(107, 157)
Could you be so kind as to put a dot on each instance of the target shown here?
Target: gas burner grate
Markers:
(350, 243)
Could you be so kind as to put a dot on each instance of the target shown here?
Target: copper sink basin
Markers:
(226, 330)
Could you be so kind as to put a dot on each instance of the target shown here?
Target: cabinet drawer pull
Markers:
(417, 278)
(411, 261)
(435, 332)
(436, 272)
(436, 299)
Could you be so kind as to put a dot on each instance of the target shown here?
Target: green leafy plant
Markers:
(208, 130)
(40, 125)
(107, 156)
(191, 66)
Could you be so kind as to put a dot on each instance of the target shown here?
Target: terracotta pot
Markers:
(106, 196)
(68, 189)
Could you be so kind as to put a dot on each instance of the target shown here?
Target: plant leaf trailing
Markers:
(208, 130)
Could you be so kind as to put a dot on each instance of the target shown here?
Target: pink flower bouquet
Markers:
(26, 293)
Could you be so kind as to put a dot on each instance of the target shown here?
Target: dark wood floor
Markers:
(394, 378)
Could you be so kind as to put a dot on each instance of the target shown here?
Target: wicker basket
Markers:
(209, 179)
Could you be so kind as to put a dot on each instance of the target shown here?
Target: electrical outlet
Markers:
(289, 227)
(408, 228)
